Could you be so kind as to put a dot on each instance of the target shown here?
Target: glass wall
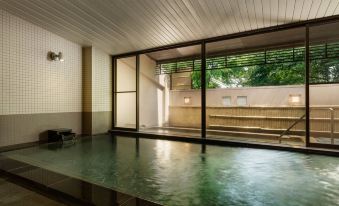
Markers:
(324, 83)
(125, 92)
(255, 88)
(170, 101)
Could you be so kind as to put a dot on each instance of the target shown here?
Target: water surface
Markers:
(176, 173)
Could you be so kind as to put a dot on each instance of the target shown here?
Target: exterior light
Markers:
(226, 101)
(187, 100)
(294, 99)
(241, 100)
(61, 57)
(55, 57)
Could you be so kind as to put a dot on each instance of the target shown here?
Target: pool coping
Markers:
(19, 146)
(208, 141)
(50, 183)
(41, 189)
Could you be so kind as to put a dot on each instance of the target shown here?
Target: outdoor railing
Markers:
(332, 119)
(290, 127)
(261, 120)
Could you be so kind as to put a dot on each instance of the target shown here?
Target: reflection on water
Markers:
(175, 173)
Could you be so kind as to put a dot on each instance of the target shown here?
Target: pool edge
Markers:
(305, 150)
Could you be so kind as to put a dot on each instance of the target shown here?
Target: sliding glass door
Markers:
(324, 85)
(170, 92)
(275, 87)
(125, 93)
(255, 88)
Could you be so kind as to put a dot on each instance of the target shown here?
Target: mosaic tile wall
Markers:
(101, 81)
(29, 82)
(97, 92)
(36, 94)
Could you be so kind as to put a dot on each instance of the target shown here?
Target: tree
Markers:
(290, 73)
(324, 71)
(270, 68)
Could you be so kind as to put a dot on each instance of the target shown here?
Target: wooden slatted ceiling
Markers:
(119, 26)
(288, 38)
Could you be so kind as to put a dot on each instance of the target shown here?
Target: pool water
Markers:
(177, 173)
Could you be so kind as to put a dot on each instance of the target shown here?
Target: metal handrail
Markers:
(332, 119)
(290, 127)
(332, 125)
(332, 111)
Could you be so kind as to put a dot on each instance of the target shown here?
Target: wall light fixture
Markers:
(187, 100)
(55, 57)
(294, 99)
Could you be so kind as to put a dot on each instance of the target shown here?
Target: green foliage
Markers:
(324, 71)
(274, 75)
(273, 68)
(293, 73)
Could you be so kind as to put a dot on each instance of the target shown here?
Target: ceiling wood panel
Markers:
(266, 13)
(314, 11)
(306, 9)
(119, 26)
(297, 9)
(290, 8)
(229, 12)
(323, 6)
(331, 8)
(336, 11)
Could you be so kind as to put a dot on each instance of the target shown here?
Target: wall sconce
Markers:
(294, 99)
(187, 100)
(55, 57)
(226, 101)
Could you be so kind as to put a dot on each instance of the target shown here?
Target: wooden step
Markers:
(251, 117)
(221, 116)
(254, 129)
(268, 136)
(314, 133)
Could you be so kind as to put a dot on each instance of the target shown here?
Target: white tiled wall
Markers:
(101, 81)
(29, 83)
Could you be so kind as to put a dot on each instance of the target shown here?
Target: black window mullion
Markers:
(137, 91)
(114, 97)
(203, 90)
(307, 85)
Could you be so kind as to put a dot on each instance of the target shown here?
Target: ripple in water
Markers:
(175, 173)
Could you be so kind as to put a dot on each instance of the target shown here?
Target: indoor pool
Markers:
(177, 173)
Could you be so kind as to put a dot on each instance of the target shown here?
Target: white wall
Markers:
(100, 120)
(36, 94)
(29, 82)
(260, 96)
(101, 81)
(151, 94)
(324, 94)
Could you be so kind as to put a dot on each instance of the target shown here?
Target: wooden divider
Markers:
(272, 119)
